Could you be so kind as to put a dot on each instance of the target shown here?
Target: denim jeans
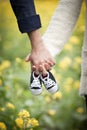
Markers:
(26, 15)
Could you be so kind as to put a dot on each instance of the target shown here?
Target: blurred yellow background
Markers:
(64, 110)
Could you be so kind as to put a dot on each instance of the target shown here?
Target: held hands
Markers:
(41, 59)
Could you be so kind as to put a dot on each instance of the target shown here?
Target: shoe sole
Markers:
(36, 92)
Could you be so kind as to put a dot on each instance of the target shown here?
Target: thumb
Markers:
(27, 59)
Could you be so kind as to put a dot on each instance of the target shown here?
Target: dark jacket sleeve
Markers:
(26, 15)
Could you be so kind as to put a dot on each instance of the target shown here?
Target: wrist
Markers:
(35, 39)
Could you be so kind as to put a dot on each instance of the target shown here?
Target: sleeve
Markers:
(25, 13)
(62, 25)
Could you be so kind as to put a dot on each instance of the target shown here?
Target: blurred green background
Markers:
(64, 110)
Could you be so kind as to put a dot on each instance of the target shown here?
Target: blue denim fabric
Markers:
(26, 15)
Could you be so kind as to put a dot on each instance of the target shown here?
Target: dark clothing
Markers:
(26, 15)
(86, 102)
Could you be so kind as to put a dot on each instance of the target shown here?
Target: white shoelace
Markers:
(48, 82)
(35, 83)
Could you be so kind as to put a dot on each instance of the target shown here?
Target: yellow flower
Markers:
(74, 40)
(68, 47)
(33, 122)
(78, 60)
(80, 110)
(69, 80)
(76, 84)
(19, 122)
(10, 105)
(2, 126)
(68, 84)
(82, 28)
(51, 112)
(18, 60)
(24, 114)
(65, 63)
(31, 129)
(48, 99)
(5, 64)
(57, 95)
(0, 82)
(2, 109)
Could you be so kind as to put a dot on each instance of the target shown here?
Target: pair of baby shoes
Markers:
(48, 81)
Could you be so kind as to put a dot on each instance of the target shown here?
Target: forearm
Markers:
(35, 38)
(29, 22)
(62, 25)
(25, 13)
